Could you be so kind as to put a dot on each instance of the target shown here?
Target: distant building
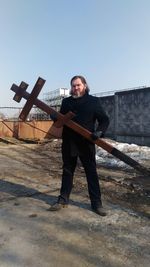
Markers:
(54, 98)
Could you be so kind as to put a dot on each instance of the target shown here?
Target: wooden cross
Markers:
(20, 92)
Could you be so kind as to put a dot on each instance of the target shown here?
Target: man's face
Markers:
(77, 88)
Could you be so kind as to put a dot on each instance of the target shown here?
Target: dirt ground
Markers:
(32, 236)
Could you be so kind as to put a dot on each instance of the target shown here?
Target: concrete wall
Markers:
(129, 113)
(108, 103)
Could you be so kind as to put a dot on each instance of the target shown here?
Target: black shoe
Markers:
(57, 206)
(100, 211)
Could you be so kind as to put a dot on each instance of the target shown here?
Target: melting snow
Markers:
(139, 153)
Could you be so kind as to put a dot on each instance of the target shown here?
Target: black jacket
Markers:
(88, 114)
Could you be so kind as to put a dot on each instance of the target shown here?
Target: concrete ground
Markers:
(32, 236)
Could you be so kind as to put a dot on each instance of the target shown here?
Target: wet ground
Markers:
(30, 235)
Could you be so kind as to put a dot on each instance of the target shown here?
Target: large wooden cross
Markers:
(20, 92)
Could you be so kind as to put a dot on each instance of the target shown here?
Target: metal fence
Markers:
(12, 114)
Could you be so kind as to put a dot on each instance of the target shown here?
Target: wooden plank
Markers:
(30, 102)
(23, 86)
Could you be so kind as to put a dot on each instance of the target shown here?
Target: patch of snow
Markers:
(138, 153)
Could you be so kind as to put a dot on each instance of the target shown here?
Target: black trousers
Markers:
(89, 164)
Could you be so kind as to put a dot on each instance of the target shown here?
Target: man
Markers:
(88, 113)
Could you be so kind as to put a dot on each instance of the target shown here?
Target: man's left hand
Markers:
(97, 134)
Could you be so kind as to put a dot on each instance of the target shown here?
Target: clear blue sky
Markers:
(107, 41)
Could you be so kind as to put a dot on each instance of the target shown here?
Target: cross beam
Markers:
(20, 92)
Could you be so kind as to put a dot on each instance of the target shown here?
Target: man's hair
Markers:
(83, 81)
